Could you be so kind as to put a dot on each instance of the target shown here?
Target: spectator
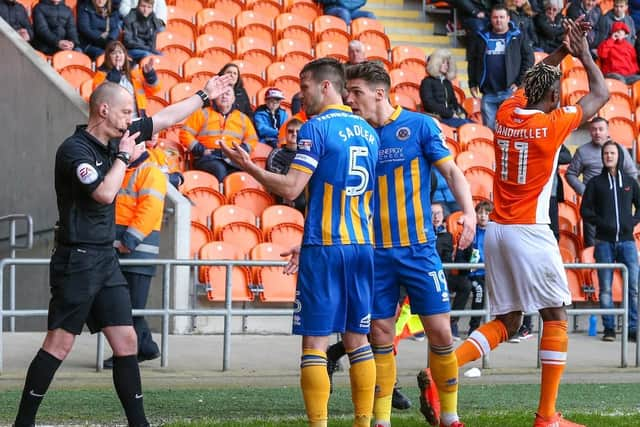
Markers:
(17, 17)
(347, 10)
(280, 159)
(139, 82)
(159, 9)
(587, 161)
(436, 90)
(617, 14)
(159, 157)
(634, 12)
(592, 12)
(456, 283)
(521, 14)
(474, 13)
(296, 103)
(498, 57)
(549, 26)
(269, 117)
(557, 192)
(609, 203)
(140, 30)
(618, 58)
(97, 25)
(444, 195)
(356, 52)
(206, 129)
(242, 103)
(54, 27)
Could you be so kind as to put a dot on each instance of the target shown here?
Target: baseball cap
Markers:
(273, 92)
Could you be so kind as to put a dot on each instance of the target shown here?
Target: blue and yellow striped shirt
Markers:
(340, 150)
(410, 143)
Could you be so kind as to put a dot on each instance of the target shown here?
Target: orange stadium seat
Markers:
(286, 46)
(400, 77)
(468, 159)
(218, 22)
(254, 199)
(253, 24)
(570, 194)
(471, 131)
(622, 131)
(76, 75)
(261, 150)
(402, 54)
(86, 88)
(616, 107)
(198, 65)
(180, 13)
(617, 86)
(204, 200)
(167, 38)
(207, 42)
(481, 182)
(453, 227)
(375, 52)
(281, 69)
(570, 63)
(190, 5)
(177, 55)
(227, 214)
(334, 49)
(232, 6)
(571, 212)
(305, 10)
(268, 8)
(587, 256)
(286, 234)
(571, 85)
(574, 97)
(197, 179)
(200, 235)
(165, 63)
(216, 276)
(274, 285)
(411, 92)
(577, 286)
(171, 147)
(370, 31)
(201, 78)
(256, 50)
(635, 93)
(183, 29)
(484, 147)
(571, 242)
(155, 104)
(277, 214)
(404, 101)
(330, 28)
(237, 181)
(243, 235)
(65, 58)
(181, 91)
(167, 79)
(290, 26)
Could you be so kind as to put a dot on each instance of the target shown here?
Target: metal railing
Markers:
(228, 311)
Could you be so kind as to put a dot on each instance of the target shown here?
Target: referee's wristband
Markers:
(205, 98)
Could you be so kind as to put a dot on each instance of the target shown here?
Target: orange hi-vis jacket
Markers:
(206, 126)
(141, 88)
(139, 210)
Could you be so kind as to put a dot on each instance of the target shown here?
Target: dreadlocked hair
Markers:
(538, 80)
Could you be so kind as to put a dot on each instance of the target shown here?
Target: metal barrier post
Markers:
(100, 352)
(166, 285)
(12, 275)
(625, 316)
(226, 355)
(2, 263)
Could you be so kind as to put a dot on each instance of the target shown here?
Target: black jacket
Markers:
(141, 32)
(52, 23)
(91, 26)
(16, 15)
(472, 7)
(608, 202)
(437, 97)
(518, 57)
(550, 33)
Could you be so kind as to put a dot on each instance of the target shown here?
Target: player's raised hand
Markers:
(468, 222)
(292, 266)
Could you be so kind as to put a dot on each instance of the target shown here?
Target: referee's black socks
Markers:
(39, 377)
(126, 379)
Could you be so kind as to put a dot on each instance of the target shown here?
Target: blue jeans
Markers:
(347, 15)
(137, 54)
(627, 254)
(455, 122)
(490, 104)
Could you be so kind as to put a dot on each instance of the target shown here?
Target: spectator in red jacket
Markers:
(618, 58)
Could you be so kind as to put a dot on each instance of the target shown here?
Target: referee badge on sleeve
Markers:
(86, 173)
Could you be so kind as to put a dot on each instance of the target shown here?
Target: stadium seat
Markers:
(571, 242)
(305, 10)
(409, 90)
(181, 91)
(569, 63)
(204, 200)
(481, 182)
(76, 75)
(253, 24)
(184, 30)
(617, 106)
(623, 132)
(155, 104)
(65, 58)
(287, 46)
(167, 79)
(227, 214)
(201, 78)
(330, 28)
(571, 85)
(472, 106)
(268, 8)
(243, 235)
(218, 22)
(408, 54)
(468, 159)
(282, 69)
(294, 27)
(196, 65)
(86, 88)
(200, 235)
(404, 100)
(570, 212)
(471, 131)
(237, 181)
(261, 150)
(635, 93)
(190, 5)
(453, 226)
(277, 214)
(167, 38)
(196, 179)
(166, 63)
(617, 86)
(207, 42)
(255, 50)
(376, 52)
(179, 13)
(254, 199)
(587, 256)
(577, 286)
(481, 145)
(234, 7)
(334, 49)
(372, 28)
(216, 276)
(273, 285)
(286, 234)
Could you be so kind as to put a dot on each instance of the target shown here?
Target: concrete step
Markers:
(419, 40)
(407, 27)
(392, 13)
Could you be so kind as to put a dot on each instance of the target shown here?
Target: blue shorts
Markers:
(334, 290)
(419, 270)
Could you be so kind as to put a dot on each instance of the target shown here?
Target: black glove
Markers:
(114, 76)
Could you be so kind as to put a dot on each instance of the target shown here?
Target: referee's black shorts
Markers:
(87, 286)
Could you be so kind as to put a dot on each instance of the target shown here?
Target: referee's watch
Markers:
(204, 97)
(124, 156)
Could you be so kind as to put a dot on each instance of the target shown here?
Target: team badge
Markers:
(403, 133)
(86, 173)
(304, 144)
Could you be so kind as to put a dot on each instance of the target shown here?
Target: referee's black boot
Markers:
(145, 357)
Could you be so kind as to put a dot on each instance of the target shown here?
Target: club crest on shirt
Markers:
(305, 144)
(403, 133)
(86, 173)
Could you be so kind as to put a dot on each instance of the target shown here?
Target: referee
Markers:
(87, 285)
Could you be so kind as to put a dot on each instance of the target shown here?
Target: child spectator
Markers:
(54, 27)
(117, 69)
(618, 58)
(140, 30)
(97, 26)
(16, 16)
(269, 117)
(242, 102)
(549, 26)
(436, 90)
(617, 14)
(280, 159)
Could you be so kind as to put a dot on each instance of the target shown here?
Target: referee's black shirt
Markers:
(82, 162)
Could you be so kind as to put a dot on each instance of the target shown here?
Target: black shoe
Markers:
(609, 335)
(632, 336)
(332, 366)
(399, 400)
(108, 363)
(145, 357)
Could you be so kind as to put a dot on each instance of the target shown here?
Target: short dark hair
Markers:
(326, 69)
(598, 119)
(371, 72)
(294, 122)
(483, 205)
(499, 6)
